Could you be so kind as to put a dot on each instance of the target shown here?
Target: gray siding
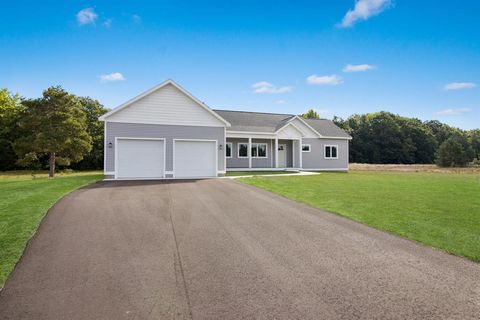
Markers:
(268, 162)
(169, 132)
(235, 162)
(315, 159)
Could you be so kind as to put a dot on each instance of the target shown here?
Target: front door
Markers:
(282, 155)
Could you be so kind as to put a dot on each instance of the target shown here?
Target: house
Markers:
(168, 133)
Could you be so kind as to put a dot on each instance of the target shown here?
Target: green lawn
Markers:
(25, 197)
(255, 173)
(438, 209)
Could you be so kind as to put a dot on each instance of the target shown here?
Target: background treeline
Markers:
(384, 138)
(58, 127)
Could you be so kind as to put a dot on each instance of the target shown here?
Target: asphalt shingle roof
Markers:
(271, 122)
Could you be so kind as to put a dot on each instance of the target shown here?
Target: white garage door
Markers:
(195, 159)
(139, 158)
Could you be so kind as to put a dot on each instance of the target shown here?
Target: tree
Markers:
(454, 152)
(53, 126)
(10, 107)
(310, 114)
(93, 109)
(474, 137)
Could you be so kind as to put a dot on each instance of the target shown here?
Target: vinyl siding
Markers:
(169, 132)
(308, 133)
(169, 106)
(315, 159)
(236, 162)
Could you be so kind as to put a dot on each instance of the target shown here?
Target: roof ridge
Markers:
(280, 114)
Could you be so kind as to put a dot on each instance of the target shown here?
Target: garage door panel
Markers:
(138, 158)
(195, 159)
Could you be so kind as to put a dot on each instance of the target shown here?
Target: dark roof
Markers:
(271, 122)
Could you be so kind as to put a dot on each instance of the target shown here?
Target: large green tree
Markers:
(54, 126)
(474, 139)
(10, 108)
(456, 151)
(93, 109)
(310, 114)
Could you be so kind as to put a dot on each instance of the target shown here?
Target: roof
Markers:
(247, 121)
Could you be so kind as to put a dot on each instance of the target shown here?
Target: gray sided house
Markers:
(167, 133)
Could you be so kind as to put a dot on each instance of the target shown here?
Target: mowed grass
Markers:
(256, 173)
(25, 197)
(438, 209)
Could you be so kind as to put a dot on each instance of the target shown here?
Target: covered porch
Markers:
(262, 152)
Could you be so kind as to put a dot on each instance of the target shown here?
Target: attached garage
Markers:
(140, 158)
(195, 158)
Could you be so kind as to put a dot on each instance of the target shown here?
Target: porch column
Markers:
(300, 153)
(250, 152)
(276, 152)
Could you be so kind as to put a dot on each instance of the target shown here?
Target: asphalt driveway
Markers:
(217, 249)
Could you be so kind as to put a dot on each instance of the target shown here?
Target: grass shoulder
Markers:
(25, 198)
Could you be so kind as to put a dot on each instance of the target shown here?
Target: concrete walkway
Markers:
(217, 249)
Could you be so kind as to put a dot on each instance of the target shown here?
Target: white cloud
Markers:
(358, 67)
(267, 87)
(331, 80)
(363, 10)
(459, 85)
(107, 23)
(280, 102)
(86, 16)
(115, 76)
(453, 112)
(136, 19)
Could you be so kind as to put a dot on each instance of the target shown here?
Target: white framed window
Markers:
(242, 150)
(259, 150)
(228, 149)
(306, 148)
(331, 152)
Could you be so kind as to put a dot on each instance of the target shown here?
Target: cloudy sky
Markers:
(414, 58)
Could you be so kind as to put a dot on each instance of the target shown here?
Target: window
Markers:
(259, 150)
(306, 148)
(228, 150)
(243, 150)
(331, 152)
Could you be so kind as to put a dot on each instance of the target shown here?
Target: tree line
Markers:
(57, 129)
(384, 138)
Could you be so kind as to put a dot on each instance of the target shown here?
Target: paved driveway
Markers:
(217, 249)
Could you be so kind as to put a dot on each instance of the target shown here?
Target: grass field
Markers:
(438, 209)
(25, 197)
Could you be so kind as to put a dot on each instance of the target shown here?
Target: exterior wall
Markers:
(315, 159)
(307, 132)
(169, 132)
(235, 162)
(168, 106)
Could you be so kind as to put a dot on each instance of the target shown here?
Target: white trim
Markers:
(161, 85)
(309, 147)
(300, 153)
(266, 150)
(108, 173)
(231, 150)
(105, 147)
(276, 152)
(263, 169)
(198, 140)
(309, 126)
(289, 123)
(249, 152)
(225, 151)
(325, 151)
(137, 138)
(238, 150)
(337, 138)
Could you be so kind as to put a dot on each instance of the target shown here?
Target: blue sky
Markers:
(414, 58)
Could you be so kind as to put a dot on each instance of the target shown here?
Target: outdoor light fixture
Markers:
(220, 147)
(110, 145)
